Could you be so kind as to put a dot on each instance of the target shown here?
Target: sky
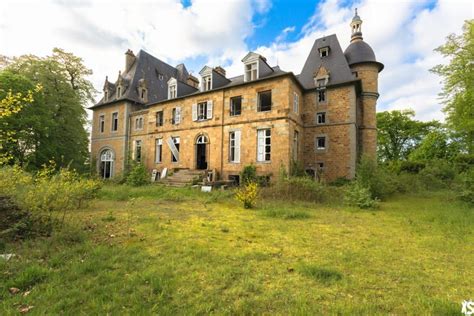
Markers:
(402, 33)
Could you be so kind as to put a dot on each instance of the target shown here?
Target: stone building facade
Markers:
(323, 118)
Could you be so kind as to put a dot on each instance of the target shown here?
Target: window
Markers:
(106, 95)
(175, 154)
(172, 92)
(206, 83)
(159, 118)
(296, 102)
(139, 123)
(160, 76)
(263, 145)
(322, 95)
(234, 146)
(119, 92)
(143, 94)
(114, 121)
(265, 101)
(235, 106)
(321, 118)
(295, 145)
(176, 116)
(202, 111)
(323, 52)
(138, 150)
(106, 164)
(158, 150)
(251, 71)
(101, 123)
(321, 142)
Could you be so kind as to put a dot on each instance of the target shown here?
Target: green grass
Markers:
(155, 250)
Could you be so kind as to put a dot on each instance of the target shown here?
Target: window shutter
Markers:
(237, 146)
(260, 145)
(209, 109)
(178, 115)
(195, 114)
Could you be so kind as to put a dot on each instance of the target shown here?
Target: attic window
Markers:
(106, 95)
(172, 91)
(251, 72)
(160, 76)
(119, 92)
(323, 52)
(143, 94)
(206, 83)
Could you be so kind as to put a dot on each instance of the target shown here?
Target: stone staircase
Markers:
(182, 177)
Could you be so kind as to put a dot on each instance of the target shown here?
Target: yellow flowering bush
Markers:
(248, 194)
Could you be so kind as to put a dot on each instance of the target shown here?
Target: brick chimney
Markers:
(220, 70)
(129, 59)
(193, 81)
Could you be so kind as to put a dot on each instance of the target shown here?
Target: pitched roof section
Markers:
(335, 63)
(156, 74)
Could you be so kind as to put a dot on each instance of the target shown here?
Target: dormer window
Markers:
(172, 88)
(106, 95)
(251, 71)
(207, 83)
(323, 52)
(143, 94)
(119, 92)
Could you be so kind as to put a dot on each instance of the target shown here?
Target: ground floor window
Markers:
(106, 164)
(138, 151)
(158, 150)
(264, 144)
(234, 146)
(175, 151)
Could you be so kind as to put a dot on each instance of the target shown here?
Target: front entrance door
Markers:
(201, 152)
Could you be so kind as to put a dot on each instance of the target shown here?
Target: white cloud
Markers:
(403, 35)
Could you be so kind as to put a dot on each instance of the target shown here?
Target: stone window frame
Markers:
(160, 141)
(296, 102)
(230, 105)
(325, 117)
(113, 122)
(258, 100)
(239, 142)
(102, 123)
(264, 128)
(324, 52)
(139, 123)
(162, 118)
(326, 143)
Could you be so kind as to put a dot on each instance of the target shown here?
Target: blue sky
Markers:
(403, 35)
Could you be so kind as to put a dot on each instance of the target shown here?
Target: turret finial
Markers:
(356, 27)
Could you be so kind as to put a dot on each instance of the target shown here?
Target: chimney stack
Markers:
(220, 70)
(129, 59)
(193, 81)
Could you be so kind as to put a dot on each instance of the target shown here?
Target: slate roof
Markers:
(360, 52)
(335, 63)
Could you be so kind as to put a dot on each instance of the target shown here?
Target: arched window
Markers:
(201, 140)
(106, 164)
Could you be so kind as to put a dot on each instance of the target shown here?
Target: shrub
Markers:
(137, 176)
(298, 188)
(464, 162)
(248, 174)
(465, 186)
(359, 196)
(377, 180)
(413, 167)
(340, 182)
(248, 194)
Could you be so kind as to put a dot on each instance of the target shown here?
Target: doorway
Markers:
(106, 164)
(201, 152)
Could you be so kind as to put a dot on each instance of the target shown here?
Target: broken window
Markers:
(159, 118)
(321, 142)
(114, 121)
(158, 150)
(321, 118)
(235, 106)
(102, 123)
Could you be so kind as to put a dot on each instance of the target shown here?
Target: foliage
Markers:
(137, 176)
(464, 161)
(465, 186)
(458, 87)
(44, 199)
(297, 169)
(248, 194)
(376, 180)
(359, 196)
(297, 189)
(398, 134)
(435, 145)
(248, 174)
(53, 126)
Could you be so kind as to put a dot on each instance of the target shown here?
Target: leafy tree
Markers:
(398, 134)
(54, 129)
(458, 83)
(436, 145)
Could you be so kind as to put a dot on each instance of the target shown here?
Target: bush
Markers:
(413, 167)
(465, 186)
(464, 162)
(297, 188)
(340, 182)
(137, 176)
(248, 174)
(248, 194)
(377, 180)
(360, 196)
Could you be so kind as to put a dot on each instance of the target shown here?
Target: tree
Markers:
(398, 134)
(437, 145)
(458, 83)
(54, 128)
